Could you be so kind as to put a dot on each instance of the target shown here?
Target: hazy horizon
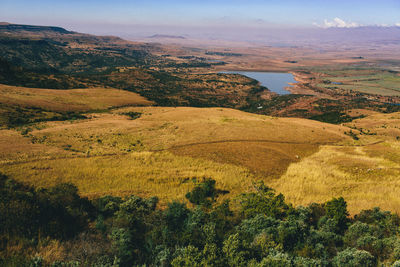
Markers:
(143, 18)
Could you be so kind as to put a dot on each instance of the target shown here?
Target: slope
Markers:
(158, 153)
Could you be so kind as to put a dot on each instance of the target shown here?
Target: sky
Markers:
(106, 16)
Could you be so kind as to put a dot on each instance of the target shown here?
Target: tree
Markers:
(203, 194)
(353, 257)
(336, 209)
(189, 256)
(233, 251)
(176, 215)
(130, 227)
(264, 201)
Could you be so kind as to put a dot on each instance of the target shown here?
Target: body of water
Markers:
(274, 81)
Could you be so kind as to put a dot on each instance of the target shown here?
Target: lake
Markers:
(274, 81)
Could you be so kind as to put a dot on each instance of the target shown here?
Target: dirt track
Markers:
(259, 141)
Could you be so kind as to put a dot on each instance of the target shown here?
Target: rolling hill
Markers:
(161, 150)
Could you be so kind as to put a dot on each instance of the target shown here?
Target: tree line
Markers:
(258, 228)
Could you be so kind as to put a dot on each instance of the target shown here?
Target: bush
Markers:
(264, 201)
(353, 257)
(336, 209)
(203, 194)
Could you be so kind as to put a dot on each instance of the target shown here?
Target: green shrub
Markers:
(353, 257)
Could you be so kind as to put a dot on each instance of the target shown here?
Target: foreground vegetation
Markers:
(56, 227)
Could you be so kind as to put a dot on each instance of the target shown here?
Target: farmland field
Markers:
(368, 81)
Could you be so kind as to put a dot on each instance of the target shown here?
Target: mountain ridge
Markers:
(32, 28)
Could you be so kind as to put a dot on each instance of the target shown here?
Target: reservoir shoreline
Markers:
(277, 82)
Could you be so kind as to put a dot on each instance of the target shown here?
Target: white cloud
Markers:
(338, 23)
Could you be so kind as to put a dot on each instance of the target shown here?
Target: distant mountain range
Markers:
(267, 36)
(270, 36)
(313, 36)
(160, 36)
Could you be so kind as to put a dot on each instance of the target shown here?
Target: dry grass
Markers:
(364, 180)
(166, 150)
(365, 176)
(14, 147)
(386, 126)
(51, 251)
(111, 154)
(69, 100)
(143, 173)
(172, 128)
(267, 160)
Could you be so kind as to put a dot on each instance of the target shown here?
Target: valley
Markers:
(91, 130)
(172, 147)
(230, 146)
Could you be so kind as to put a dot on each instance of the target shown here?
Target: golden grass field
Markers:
(165, 151)
(69, 100)
(157, 154)
(365, 176)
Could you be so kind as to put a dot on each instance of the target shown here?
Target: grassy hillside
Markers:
(69, 100)
(365, 175)
(20, 106)
(164, 151)
(144, 150)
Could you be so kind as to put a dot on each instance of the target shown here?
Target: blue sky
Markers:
(94, 14)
